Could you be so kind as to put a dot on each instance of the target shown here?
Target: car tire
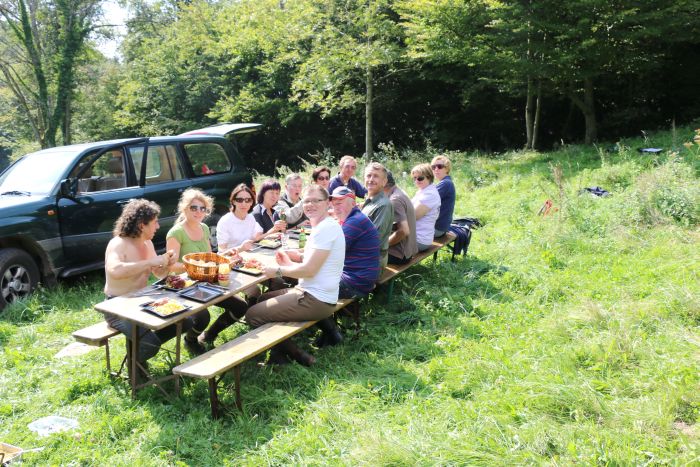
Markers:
(19, 275)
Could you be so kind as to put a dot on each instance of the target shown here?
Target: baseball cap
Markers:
(342, 192)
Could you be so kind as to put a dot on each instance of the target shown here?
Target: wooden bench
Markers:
(392, 270)
(215, 363)
(97, 335)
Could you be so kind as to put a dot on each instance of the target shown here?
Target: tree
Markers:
(358, 43)
(41, 45)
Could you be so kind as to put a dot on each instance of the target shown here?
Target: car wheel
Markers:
(19, 275)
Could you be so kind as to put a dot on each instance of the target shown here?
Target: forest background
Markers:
(349, 76)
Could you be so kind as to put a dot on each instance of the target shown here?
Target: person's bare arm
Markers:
(402, 231)
(309, 267)
(118, 268)
(173, 244)
(421, 210)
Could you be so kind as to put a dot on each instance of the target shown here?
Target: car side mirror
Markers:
(69, 188)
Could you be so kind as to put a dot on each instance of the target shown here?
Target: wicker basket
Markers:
(203, 273)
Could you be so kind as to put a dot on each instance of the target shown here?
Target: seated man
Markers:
(402, 241)
(378, 207)
(318, 267)
(130, 259)
(361, 268)
(289, 207)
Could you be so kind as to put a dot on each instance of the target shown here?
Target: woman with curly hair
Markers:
(191, 235)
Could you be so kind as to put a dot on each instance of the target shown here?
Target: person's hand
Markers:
(171, 257)
(293, 255)
(270, 272)
(247, 245)
(282, 258)
(280, 225)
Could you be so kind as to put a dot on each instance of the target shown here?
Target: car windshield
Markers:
(36, 173)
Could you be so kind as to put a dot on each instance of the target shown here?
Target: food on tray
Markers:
(166, 306)
(175, 282)
(269, 243)
(252, 266)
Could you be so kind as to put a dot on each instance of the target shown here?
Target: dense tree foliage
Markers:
(343, 76)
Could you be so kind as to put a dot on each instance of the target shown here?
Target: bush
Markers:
(666, 193)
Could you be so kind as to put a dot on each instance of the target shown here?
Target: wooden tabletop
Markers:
(129, 307)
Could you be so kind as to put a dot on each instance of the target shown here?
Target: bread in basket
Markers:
(203, 266)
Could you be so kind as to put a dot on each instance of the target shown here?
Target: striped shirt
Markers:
(361, 268)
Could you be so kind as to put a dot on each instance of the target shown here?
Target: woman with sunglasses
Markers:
(426, 202)
(191, 235)
(237, 229)
(322, 176)
(441, 166)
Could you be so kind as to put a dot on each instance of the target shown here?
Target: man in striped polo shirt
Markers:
(362, 243)
(361, 266)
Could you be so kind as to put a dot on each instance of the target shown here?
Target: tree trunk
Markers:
(368, 115)
(529, 124)
(67, 118)
(587, 107)
(538, 108)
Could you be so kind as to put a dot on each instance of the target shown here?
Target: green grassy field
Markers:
(565, 339)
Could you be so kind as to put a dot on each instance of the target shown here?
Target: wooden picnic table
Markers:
(130, 309)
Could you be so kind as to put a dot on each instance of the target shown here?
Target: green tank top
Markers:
(187, 245)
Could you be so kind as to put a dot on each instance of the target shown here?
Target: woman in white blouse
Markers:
(426, 202)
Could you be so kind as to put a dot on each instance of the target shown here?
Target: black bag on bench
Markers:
(462, 228)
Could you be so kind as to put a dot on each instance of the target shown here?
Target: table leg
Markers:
(133, 361)
(237, 379)
(178, 339)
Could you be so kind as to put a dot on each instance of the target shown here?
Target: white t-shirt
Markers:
(327, 235)
(425, 226)
(232, 231)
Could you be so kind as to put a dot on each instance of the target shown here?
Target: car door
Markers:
(163, 177)
(87, 220)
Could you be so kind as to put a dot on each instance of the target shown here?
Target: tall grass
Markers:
(570, 338)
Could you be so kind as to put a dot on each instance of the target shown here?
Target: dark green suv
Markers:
(58, 205)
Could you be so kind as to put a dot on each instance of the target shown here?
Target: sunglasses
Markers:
(437, 166)
(322, 179)
(419, 178)
(243, 200)
(199, 208)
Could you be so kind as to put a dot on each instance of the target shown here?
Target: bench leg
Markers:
(109, 367)
(213, 398)
(237, 380)
(390, 292)
(435, 256)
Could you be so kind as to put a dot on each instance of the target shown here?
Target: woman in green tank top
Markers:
(191, 235)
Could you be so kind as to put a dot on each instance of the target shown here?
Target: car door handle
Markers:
(123, 201)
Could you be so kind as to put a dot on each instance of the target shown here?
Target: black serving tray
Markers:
(201, 292)
(251, 272)
(153, 310)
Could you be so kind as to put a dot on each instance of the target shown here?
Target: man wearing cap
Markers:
(378, 207)
(361, 267)
(402, 241)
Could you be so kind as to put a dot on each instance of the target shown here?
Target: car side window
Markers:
(207, 158)
(162, 164)
(107, 172)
